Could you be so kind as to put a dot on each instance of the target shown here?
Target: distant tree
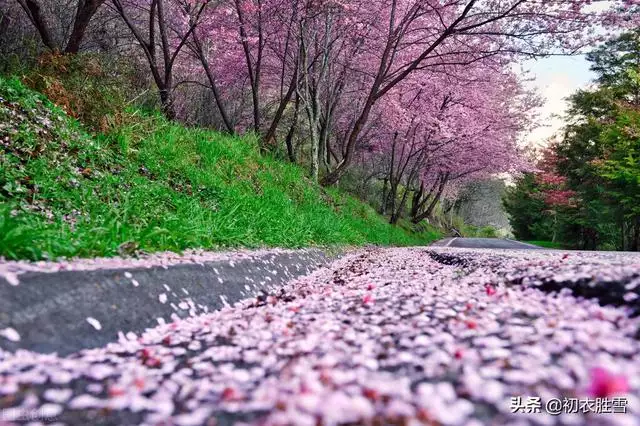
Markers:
(599, 148)
(67, 39)
(617, 65)
(577, 151)
(620, 170)
(525, 208)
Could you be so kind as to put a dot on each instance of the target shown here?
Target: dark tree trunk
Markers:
(395, 217)
(334, 176)
(270, 137)
(162, 74)
(383, 205)
(403, 202)
(635, 243)
(289, 138)
(86, 10)
(434, 201)
(253, 69)
(415, 202)
(393, 201)
(32, 9)
(212, 83)
(166, 99)
(291, 153)
(422, 199)
(393, 186)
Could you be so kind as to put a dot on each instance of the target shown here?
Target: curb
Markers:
(67, 311)
(444, 242)
(528, 245)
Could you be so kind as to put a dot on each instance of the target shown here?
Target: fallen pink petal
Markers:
(605, 384)
(340, 358)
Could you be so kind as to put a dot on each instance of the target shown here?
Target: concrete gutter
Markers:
(66, 311)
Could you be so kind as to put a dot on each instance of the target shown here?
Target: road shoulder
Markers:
(67, 310)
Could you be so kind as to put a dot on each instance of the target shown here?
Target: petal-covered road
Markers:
(382, 336)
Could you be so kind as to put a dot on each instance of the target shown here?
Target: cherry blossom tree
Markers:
(553, 185)
(444, 130)
(249, 49)
(423, 84)
(162, 28)
(409, 37)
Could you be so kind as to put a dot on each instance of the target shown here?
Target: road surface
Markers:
(488, 243)
(404, 336)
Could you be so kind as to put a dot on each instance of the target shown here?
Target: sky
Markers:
(556, 78)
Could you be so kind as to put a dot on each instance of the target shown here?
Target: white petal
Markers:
(94, 323)
(10, 334)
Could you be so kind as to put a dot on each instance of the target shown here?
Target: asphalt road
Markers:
(486, 243)
(403, 336)
(130, 296)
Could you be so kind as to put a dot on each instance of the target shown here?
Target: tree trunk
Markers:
(254, 70)
(403, 202)
(289, 138)
(212, 84)
(32, 9)
(166, 100)
(415, 202)
(291, 153)
(383, 205)
(393, 201)
(423, 198)
(434, 201)
(162, 75)
(270, 137)
(315, 150)
(334, 176)
(86, 10)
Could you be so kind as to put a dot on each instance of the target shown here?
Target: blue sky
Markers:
(555, 78)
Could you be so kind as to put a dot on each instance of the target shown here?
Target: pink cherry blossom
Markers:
(605, 384)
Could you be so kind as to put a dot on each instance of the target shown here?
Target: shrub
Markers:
(92, 88)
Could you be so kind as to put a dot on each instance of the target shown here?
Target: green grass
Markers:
(154, 185)
(471, 231)
(546, 244)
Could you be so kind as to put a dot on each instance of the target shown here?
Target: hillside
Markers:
(152, 185)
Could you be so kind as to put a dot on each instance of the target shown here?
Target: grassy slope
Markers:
(154, 185)
(546, 244)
